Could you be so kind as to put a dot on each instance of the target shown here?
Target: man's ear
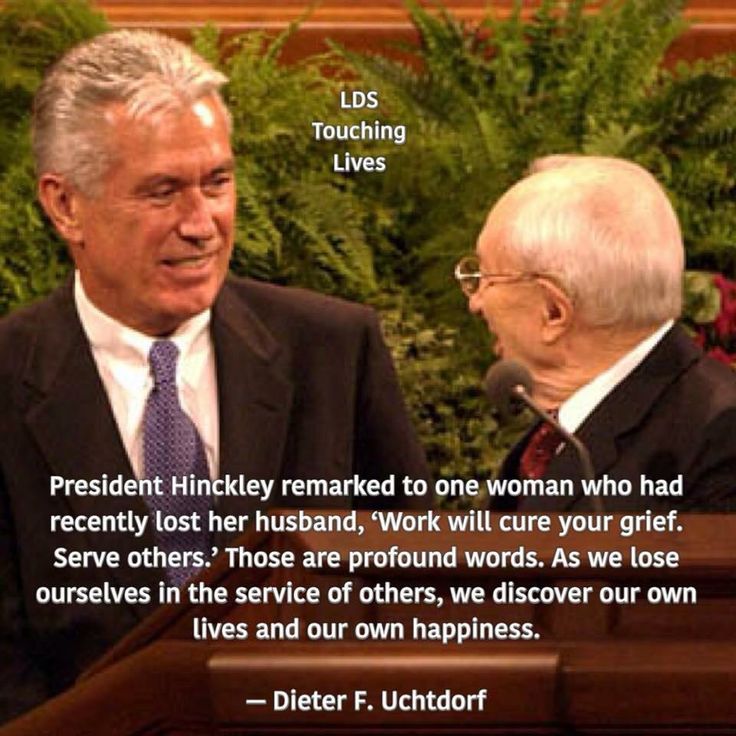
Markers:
(557, 311)
(61, 203)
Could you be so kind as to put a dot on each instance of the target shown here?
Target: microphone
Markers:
(505, 383)
(508, 386)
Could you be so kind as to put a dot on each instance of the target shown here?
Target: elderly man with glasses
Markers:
(578, 274)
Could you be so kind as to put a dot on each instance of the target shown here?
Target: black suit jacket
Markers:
(306, 390)
(675, 414)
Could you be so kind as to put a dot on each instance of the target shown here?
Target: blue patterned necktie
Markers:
(172, 447)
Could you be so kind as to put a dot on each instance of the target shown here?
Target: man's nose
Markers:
(196, 223)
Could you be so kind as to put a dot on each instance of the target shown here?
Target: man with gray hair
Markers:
(578, 273)
(151, 363)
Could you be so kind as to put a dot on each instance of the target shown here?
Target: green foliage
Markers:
(480, 104)
(486, 101)
(702, 298)
(32, 259)
(439, 378)
(298, 221)
(33, 33)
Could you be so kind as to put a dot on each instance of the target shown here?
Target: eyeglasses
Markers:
(470, 277)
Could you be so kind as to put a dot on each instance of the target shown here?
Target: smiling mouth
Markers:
(189, 262)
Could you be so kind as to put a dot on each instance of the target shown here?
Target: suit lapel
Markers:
(627, 406)
(255, 397)
(73, 424)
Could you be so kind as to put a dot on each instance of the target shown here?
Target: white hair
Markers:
(605, 229)
(148, 72)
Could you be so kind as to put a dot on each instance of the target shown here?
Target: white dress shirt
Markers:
(581, 404)
(121, 355)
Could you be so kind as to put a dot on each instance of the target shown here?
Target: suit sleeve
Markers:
(385, 441)
(22, 682)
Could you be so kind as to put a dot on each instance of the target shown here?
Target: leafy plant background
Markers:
(480, 103)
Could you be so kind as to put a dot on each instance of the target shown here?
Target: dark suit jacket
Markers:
(675, 414)
(306, 390)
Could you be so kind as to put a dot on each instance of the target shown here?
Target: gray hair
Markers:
(606, 230)
(148, 72)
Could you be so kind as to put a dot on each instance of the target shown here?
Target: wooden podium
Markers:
(596, 669)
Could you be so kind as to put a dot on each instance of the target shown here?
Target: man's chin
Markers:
(176, 312)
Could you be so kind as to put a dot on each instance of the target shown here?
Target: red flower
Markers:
(725, 322)
(719, 354)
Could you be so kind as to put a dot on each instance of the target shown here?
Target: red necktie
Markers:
(539, 451)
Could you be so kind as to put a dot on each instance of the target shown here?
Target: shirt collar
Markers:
(581, 404)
